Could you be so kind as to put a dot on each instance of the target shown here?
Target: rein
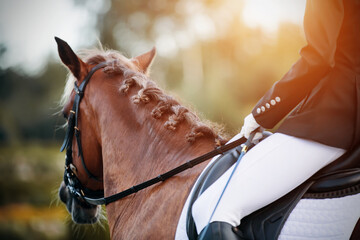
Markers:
(97, 197)
(165, 176)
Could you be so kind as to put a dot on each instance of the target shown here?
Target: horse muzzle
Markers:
(81, 212)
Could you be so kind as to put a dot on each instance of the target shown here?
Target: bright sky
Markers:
(27, 28)
(267, 14)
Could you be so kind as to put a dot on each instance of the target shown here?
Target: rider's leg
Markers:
(271, 169)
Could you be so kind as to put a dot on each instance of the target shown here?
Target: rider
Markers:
(324, 86)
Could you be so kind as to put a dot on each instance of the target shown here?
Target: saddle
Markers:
(338, 179)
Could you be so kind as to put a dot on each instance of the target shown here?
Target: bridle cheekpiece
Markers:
(76, 189)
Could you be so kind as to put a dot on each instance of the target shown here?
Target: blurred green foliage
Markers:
(33, 169)
(29, 207)
(28, 105)
(222, 75)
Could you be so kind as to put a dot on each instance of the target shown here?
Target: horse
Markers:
(132, 131)
(123, 131)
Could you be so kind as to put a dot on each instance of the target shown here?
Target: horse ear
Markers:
(70, 59)
(144, 61)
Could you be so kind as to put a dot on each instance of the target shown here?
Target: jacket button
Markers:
(258, 110)
(267, 105)
(277, 99)
(273, 102)
(263, 108)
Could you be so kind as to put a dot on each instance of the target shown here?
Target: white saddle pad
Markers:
(322, 219)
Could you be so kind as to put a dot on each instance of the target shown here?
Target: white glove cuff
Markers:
(250, 125)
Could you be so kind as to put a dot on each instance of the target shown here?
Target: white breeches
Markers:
(267, 172)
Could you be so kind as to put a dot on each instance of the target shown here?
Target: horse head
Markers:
(84, 165)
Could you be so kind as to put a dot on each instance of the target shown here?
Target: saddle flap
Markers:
(337, 181)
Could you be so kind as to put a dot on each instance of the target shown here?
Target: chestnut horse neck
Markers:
(143, 133)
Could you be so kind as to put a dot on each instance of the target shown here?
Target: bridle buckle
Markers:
(73, 168)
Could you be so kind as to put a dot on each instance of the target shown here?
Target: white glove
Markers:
(250, 125)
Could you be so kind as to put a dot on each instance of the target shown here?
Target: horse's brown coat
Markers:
(125, 144)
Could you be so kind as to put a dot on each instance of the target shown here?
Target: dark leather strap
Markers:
(165, 176)
(73, 122)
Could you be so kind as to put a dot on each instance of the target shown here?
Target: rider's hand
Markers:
(250, 125)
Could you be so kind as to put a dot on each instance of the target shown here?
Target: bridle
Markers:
(87, 196)
(71, 180)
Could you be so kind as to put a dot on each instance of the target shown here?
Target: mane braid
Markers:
(149, 91)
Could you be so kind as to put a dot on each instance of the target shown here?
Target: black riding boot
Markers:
(220, 231)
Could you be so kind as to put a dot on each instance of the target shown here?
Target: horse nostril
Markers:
(63, 194)
(62, 197)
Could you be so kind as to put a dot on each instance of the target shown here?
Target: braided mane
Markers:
(148, 91)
